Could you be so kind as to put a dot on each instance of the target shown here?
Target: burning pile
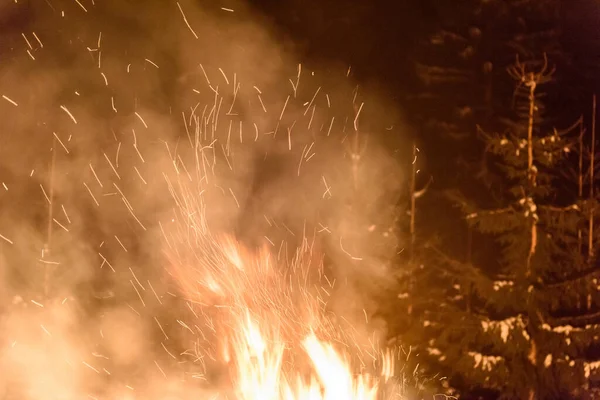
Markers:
(274, 333)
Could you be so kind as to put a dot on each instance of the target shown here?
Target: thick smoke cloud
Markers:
(101, 104)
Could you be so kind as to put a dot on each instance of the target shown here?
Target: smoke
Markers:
(104, 105)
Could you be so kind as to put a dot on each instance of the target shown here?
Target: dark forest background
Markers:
(496, 287)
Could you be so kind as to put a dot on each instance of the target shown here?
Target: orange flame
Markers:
(270, 325)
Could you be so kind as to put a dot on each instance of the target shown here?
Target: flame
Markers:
(275, 333)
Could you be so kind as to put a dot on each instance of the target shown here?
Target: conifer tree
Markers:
(461, 67)
(514, 325)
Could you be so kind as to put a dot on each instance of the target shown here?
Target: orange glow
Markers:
(274, 333)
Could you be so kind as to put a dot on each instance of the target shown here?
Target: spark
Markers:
(227, 9)
(91, 194)
(167, 351)
(38, 39)
(347, 253)
(192, 310)
(45, 330)
(105, 261)
(48, 262)
(151, 62)
(261, 103)
(160, 369)
(136, 279)
(133, 309)
(138, 293)
(95, 175)
(90, 367)
(59, 224)
(132, 214)
(289, 131)
(141, 119)
(301, 157)
(185, 326)
(161, 329)
(327, 187)
(224, 76)
(330, 126)
(45, 195)
(295, 85)
(112, 166)
(186, 21)
(140, 175)
(154, 291)
(205, 75)
(234, 198)
(357, 115)
(117, 155)
(284, 107)
(11, 101)
(312, 100)
(37, 304)
(27, 41)
(121, 243)
(69, 114)
(65, 212)
(6, 239)
(312, 115)
(61, 143)
(81, 5)
(270, 241)
(138, 153)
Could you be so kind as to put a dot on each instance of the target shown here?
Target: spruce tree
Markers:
(461, 67)
(519, 324)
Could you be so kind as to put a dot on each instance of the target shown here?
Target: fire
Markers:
(260, 375)
(274, 333)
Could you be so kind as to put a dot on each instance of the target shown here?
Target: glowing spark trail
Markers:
(186, 21)
(11, 101)
(6, 239)
(69, 114)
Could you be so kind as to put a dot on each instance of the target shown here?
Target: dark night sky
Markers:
(379, 37)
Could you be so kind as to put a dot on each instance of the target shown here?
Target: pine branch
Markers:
(578, 320)
(499, 211)
(573, 278)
